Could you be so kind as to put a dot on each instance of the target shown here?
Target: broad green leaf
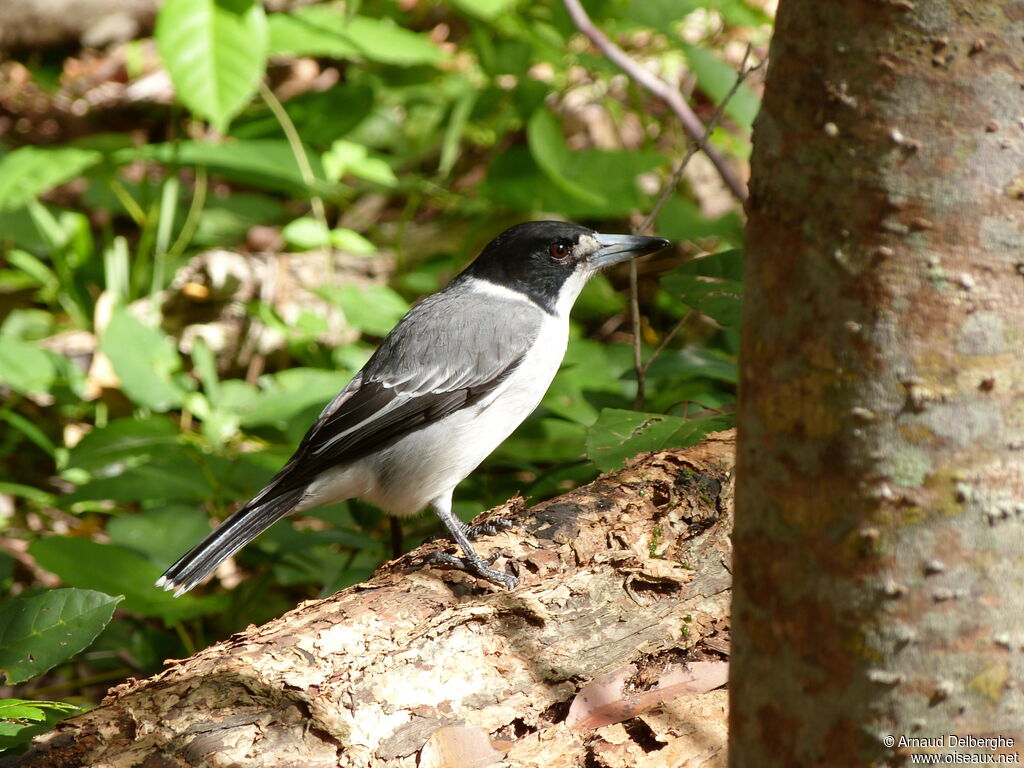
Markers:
(737, 12)
(323, 30)
(349, 157)
(26, 368)
(487, 10)
(21, 721)
(116, 570)
(307, 233)
(320, 117)
(664, 15)
(374, 308)
(290, 392)
(312, 31)
(712, 285)
(227, 220)
(716, 78)
(38, 632)
(19, 709)
(548, 148)
(215, 52)
(542, 441)
(111, 449)
(177, 473)
(265, 163)
(696, 362)
(145, 361)
(383, 41)
(619, 435)
(680, 219)
(28, 172)
(160, 535)
(515, 180)
(349, 240)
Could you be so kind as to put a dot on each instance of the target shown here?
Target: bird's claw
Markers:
(480, 567)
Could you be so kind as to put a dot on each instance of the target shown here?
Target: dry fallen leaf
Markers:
(461, 746)
(604, 700)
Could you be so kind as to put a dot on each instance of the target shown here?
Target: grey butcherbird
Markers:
(453, 379)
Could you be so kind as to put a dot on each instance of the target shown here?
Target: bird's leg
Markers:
(471, 562)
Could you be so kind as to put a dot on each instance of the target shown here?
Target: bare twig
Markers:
(664, 91)
(666, 191)
(696, 144)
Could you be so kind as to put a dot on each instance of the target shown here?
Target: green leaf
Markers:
(320, 117)
(290, 392)
(21, 721)
(26, 368)
(28, 172)
(312, 31)
(26, 492)
(548, 148)
(226, 221)
(160, 535)
(515, 180)
(716, 78)
(349, 240)
(738, 12)
(680, 219)
(145, 361)
(266, 163)
(215, 52)
(694, 362)
(664, 15)
(323, 30)
(177, 473)
(349, 157)
(487, 10)
(619, 435)
(374, 308)
(711, 285)
(38, 632)
(18, 709)
(111, 449)
(116, 570)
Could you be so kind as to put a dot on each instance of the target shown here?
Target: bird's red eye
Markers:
(558, 250)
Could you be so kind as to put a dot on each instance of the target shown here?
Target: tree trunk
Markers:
(879, 604)
(624, 584)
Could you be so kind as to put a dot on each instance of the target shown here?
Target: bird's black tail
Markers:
(233, 534)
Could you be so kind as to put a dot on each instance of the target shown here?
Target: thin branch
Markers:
(639, 366)
(696, 144)
(664, 91)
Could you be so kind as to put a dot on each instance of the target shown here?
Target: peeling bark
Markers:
(631, 569)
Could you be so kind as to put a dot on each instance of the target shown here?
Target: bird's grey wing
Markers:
(448, 353)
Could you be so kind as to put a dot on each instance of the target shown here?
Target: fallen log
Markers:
(601, 657)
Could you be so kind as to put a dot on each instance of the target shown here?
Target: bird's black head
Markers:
(550, 261)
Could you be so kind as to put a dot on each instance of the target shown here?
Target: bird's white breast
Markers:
(428, 463)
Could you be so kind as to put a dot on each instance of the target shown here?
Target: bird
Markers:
(457, 374)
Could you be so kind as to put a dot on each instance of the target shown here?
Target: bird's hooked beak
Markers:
(616, 248)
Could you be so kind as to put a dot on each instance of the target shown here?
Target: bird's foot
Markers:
(475, 565)
(491, 527)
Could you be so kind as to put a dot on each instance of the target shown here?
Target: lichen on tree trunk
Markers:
(631, 569)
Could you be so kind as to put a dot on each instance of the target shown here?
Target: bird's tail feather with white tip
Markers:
(234, 533)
